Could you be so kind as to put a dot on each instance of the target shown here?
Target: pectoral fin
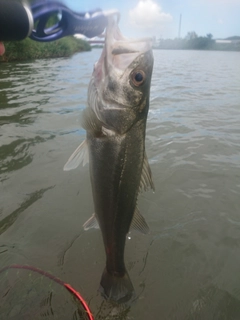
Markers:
(139, 223)
(80, 155)
(146, 177)
(91, 223)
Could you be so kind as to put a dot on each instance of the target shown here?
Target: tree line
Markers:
(28, 49)
(194, 42)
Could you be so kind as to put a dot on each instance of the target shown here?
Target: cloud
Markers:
(148, 14)
(228, 2)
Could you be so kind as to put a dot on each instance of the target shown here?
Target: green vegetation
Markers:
(29, 49)
(193, 42)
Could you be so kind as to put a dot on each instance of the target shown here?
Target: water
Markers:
(188, 266)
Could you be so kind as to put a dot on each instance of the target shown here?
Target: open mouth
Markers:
(119, 50)
(122, 50)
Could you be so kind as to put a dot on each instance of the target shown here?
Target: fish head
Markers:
(120, 87)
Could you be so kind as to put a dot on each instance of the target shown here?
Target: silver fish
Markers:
(115, 121)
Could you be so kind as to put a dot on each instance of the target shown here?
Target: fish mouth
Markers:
(118, 52)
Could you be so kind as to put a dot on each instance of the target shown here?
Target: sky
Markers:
(160, 18)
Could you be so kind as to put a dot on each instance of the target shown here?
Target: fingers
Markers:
(2, 49)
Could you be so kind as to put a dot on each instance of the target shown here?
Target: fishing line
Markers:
(75, 293)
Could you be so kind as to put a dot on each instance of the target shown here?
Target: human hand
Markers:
(2, 49)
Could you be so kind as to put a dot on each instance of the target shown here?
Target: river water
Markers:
(188, 267)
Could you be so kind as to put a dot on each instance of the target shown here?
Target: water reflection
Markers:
(215, 303)
(17, 154)
(111, 311)
(23, 117)
(12, 217)
(26, 295)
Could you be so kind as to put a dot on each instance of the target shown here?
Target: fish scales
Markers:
(115, 122)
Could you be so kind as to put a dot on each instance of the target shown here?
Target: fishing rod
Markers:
(19, 21)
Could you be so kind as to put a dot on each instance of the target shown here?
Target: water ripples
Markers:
(193, 146)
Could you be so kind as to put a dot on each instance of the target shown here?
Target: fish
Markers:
(115, 122)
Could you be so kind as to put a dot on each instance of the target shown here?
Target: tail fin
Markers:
(117, 289)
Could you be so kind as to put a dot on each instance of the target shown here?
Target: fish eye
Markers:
(138, 77)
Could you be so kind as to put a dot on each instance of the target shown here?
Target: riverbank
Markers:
(29, 49)
(196, 43)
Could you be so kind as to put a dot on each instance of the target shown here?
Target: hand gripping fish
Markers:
(115, 122)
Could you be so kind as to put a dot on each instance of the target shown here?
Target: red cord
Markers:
(77, 294)
(50, 276)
